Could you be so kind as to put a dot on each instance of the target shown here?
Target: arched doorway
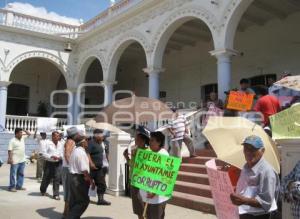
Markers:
(267, 39)
(184, 49)
(129, 72)
(93, 97)
(33, 81)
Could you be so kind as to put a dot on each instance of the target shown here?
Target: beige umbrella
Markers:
(134, 110)
(292, 82)
(226, 135)
(104, 126)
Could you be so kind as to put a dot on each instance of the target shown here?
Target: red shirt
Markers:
(268, 105)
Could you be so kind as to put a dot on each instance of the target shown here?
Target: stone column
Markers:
(74, 108)
(153, 74)
(116, 177)
(3, 102)
(108, 91)
(224, 70)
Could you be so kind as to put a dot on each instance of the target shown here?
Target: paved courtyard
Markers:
(29, 204)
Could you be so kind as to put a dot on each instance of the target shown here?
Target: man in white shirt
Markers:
(53, 161)
(80, 181)
(16, 158)
(42, 144)
(258, 184)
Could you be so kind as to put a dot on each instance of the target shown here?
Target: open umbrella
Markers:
(104, 126)
(226, 134)
(134, 110)
(291, 82)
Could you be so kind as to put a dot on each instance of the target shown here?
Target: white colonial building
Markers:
(176, 50)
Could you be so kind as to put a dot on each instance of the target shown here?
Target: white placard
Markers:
(93, 192)
(46, 124)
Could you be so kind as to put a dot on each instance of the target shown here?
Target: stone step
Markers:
(206, 153)
(196, 160)
(193, 189)
(193, 202)
(193, 177)
(193, 168)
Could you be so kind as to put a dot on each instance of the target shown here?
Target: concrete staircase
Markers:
(192, 188)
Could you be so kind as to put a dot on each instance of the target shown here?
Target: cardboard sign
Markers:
(155, 173)
(240, 101)
(221, 189)
(46, 124)
(284, 124)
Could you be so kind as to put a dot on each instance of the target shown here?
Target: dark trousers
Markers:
(249, 216)
(99, 178)
(79, 196)
(156, 211)
(52, 170)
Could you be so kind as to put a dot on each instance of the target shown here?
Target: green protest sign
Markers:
(286, 123)
(154, 172)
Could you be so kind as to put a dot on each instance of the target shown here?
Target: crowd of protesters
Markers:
(79, 164)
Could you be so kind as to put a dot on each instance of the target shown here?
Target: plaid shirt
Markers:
(293, 176)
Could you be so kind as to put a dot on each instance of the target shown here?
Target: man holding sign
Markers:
(155, 174)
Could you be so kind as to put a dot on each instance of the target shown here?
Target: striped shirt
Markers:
(178, 126)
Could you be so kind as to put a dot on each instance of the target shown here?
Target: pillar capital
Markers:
(153, 70)
(105, 83)
(224, 53)
(5, 83)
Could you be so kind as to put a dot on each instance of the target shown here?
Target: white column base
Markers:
(116, 175)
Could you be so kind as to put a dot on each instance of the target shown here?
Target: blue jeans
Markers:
(16, 171)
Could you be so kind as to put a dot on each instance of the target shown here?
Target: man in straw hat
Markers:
(258, 183)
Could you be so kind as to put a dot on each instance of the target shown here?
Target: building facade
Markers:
(175, 50)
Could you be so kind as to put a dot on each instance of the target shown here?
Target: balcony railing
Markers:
(27, 22)
(27, 123)
(117, 9)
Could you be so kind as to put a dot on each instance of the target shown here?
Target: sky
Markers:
(69, 11)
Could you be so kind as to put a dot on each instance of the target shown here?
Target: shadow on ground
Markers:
(39, 194)
(97, 218)
(49, 213)
(30, 177)
(4, 188)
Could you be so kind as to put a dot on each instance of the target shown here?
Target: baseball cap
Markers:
(255, 141)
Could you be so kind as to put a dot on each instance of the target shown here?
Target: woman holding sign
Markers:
(155, 205)
(141, 142)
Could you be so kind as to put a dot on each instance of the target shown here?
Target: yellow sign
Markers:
(285, 124)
